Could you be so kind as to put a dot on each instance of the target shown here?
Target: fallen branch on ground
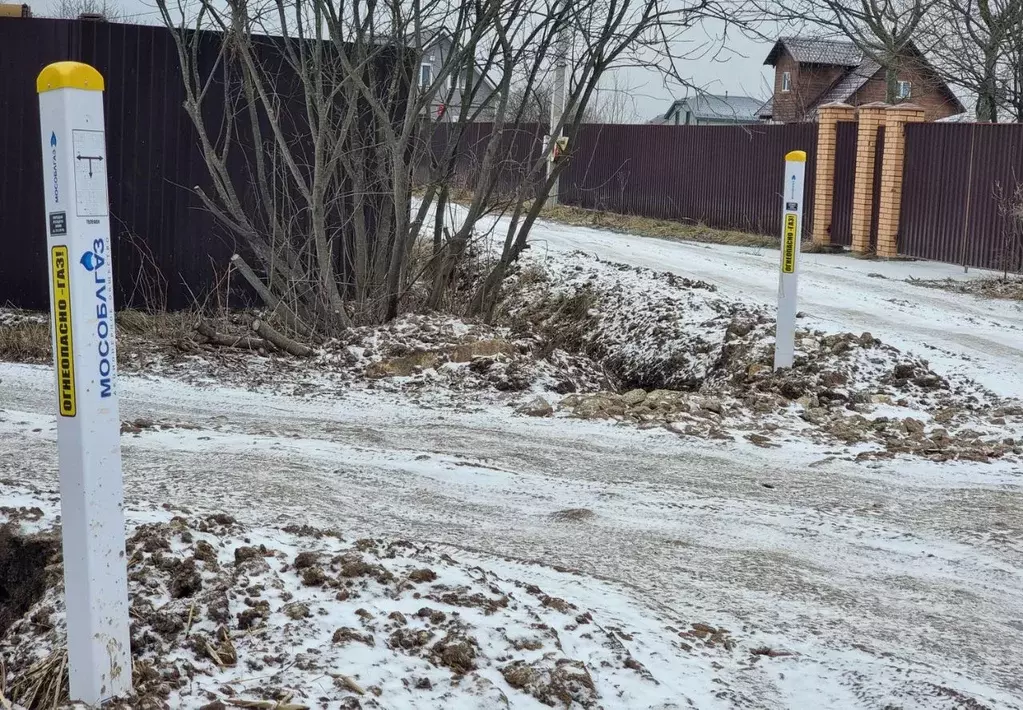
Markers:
(229, 341)
(280, 340)
(272, 302)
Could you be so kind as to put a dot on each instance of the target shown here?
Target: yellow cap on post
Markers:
(796, 156)
(69, 75)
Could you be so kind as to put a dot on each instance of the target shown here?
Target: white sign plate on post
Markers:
(90, 155)
(88, 422)
(791, 235)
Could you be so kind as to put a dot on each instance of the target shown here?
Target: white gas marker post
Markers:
(791, 235)
(88, 423)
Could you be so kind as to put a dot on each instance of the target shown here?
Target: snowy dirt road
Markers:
(892, 584)
(895, 586)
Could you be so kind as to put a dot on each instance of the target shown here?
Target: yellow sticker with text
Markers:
(63, 337)
(788, 244)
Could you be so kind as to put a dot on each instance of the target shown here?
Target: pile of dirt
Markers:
(419, 350)
(422, 355)
(702, 365)
(649, 330)
(223, 614)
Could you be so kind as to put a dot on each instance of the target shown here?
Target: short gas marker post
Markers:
(88, 423)
(791, 235)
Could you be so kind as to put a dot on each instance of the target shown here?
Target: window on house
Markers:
(425, 75)
(786, 81)
(904, 90)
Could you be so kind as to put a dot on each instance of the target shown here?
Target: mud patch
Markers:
(24, 575)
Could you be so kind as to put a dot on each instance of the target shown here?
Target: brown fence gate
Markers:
(959, 181)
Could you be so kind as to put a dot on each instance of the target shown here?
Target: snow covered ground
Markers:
(884, 584)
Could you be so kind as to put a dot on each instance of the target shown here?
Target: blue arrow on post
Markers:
(53, 140)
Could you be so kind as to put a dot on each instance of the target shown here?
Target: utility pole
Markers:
(558, 105)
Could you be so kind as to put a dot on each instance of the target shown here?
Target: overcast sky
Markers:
(737, 67)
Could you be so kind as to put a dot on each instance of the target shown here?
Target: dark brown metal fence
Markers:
(157, 226)
(722, 176)
(516, 157)
(955, 180)
(845, 179)
(159, 229)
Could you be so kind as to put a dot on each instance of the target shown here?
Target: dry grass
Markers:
(657, 228)
(810, 247)
(26, 341)
(156, 326)
(44, 685)
(641, 226)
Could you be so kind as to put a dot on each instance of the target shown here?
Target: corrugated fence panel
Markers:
(154, 163)
(845, 180)
(723, 176)
(995, 177)
(156, 225)
(931, 218)
(26, 46)
(955, 179)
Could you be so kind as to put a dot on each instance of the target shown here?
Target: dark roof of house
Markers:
(711, 107)
(813, 50)
(766, 109)
(850, 82)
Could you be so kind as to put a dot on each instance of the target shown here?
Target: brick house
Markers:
(810, 72)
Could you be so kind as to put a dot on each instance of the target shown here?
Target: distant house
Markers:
(448, 101)
(711, 110)
(810, 72)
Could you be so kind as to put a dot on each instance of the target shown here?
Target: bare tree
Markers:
(887, 31)
(613, 101)
(1012, 77)
(314, 117)
(973, 49)
(73, 9)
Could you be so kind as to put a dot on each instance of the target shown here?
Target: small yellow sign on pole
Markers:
(789, 242)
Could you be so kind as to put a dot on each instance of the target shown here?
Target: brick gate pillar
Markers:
(829, 116)
(896, 118)
(871, 117)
